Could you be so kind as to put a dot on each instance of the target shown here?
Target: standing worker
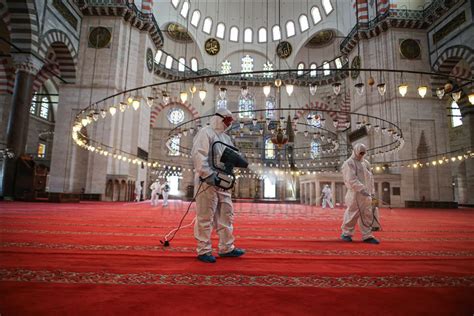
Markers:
(165, 189)
(213, 204)
(360, 189)
(155, 192)
(327, 196)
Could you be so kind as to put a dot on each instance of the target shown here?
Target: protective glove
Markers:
(211, 180)
(364, 192)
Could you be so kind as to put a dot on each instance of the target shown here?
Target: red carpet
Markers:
(106, 258)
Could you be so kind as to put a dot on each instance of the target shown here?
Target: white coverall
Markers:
(213, 205)
(359, 181)
(155, 193)
(327, 196)
(138, 191)
(165, 193)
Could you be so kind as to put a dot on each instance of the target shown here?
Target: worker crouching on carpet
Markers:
(213, 205)
(360, 190)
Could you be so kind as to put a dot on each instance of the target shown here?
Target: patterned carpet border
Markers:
(272, 251)
(354, 281)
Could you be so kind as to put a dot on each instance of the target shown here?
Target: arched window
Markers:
(234, 34)
(194, 64)
(456, 115)
(246, 106)
(169, 62)
(314, 119)
(185, 9)
(221, 103)
(316, 15)
(290, 29)
(44, 108)
(269, 188)
(175, 116)
(33, 106)
(248, 35)
(269, 149)
(173, 146)
(338, 62)
(226, 67)
(276, 33)
(262, 35)
(270, 107)
(312, 73)
(327, 6)
(326, 67)
(315, 149)
(195, 18)
(269, 67)
(158, 56)
(220, 30)
(181, 64)
(247, 65)
(300, 66)
(304, 25)
(207, 25)
(175, 3)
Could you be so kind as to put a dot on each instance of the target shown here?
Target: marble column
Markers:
(333, 190)
(302, 193)
(27, 66)
(318, 193)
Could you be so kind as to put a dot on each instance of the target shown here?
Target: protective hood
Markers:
(216, 121)
(357, 149)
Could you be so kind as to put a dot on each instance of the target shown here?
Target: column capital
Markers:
(27, 62)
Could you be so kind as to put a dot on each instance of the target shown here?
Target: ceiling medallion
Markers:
(355, 64)
(410, 49)
(321, 39)
(212, 46)
(99, 37)
(149, 59)
(178, 33)
(284, 50)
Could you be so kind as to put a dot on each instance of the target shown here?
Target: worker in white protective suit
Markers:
(165, 189)
(138, 191)
(155, 188)
(360, 189)
(327, 196)
(213, 205)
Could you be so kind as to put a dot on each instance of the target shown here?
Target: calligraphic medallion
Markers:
(212, 46)
(284, 50)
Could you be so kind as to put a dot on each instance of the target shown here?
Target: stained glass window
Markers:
(290, 29)
(226, 67)
(44, 109)
(269, 149)
(185, 9)
(456, 112)
(181, 63)
(269, 67)
(175, 116)
(270, 107)
(312, 73)
(326, 67)
(173, 146)
(194, 64)
(207, 25)
(33, 105)
(158, 56)
(247, 65)
(195, 18)
(315, 149)
(262, 35)
(304, 25)
(316, 15)
(248, 35)
(246, 106)
(300, 66)
(234, 34)
(221, 103)
(327, 6)
(276, 33)
(220, 30)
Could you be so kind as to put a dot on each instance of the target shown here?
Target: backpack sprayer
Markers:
(225, 179)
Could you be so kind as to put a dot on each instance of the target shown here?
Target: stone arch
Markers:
(6, 76)
(109, 190)
(341, 117)
(65, 55)
(5, 16)
(447, 64)
(173, 100)
(24, 25)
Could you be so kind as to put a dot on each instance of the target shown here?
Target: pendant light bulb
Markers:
(112, 110)
(183, 95)
(440, 93)
(244, 91)
(456, 95)
(278, 82)
(403, 89)
(149, 101)
(223, 93)
(336, 87)
(359, 88)
(135, 104)
(289, 89)
(471, 98)
(382, 88)
(312, 88)
(266, 90)
(202, 94)
(166, 97)
(422, 91)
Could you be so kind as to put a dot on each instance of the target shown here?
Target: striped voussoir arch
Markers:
(316, 106)
(447, 62)
(173, 101)
(6, 76)
(23, 25)
(48, 71)
(66, 55)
